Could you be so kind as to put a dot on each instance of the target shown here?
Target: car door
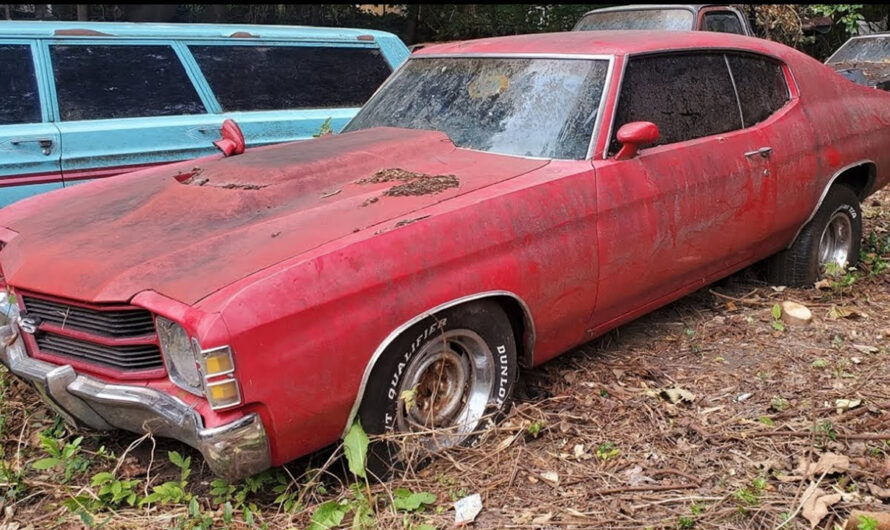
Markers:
(693, 205)
(279, 91)
(29, 143)
(123, 105)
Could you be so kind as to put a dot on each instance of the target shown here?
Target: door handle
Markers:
(764, 152)
(46, 144)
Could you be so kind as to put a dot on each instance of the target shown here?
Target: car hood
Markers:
(189, 229)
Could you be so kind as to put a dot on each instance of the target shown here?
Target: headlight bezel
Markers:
(179, 355)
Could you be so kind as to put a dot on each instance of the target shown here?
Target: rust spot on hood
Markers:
(194, 178)
(412, 183)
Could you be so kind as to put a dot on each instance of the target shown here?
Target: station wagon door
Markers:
(695, 205)
(285, 91)
(29, 143)
(126, 105)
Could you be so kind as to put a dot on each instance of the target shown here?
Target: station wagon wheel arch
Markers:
(515, 308)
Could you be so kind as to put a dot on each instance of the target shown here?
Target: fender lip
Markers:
(530, 341)
(825, 193)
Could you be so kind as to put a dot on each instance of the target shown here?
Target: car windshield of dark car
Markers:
(863, 50)
(655, 19)
(539, 107)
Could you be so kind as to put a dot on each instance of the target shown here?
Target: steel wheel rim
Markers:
(449, 382)
(836, 242)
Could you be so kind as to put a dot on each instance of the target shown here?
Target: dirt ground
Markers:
(703, 414)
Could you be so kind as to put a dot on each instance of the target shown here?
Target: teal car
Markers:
(80, 101)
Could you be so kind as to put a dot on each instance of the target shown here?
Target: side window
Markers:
(19, 98)
(96, 82)
(761, 86)
(722, 21)
(686, 95)
(290, 77)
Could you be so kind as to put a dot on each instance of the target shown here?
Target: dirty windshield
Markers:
(864, 49)
(517, 106)
(655, 19)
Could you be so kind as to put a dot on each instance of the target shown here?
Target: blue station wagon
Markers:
(80, 101)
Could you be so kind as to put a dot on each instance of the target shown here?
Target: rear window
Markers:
(99, 82)
(669, 19)
(19, 99)
(245, 78)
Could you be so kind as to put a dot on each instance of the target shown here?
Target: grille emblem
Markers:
(28, 324)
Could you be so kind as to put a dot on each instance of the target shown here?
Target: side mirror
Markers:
(634, 135)
(232, 141)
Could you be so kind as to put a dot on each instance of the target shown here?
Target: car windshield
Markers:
(539, 107)
(863, 49)
(657, 19)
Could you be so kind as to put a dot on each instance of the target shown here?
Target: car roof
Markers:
(148, 30)
(606, 43)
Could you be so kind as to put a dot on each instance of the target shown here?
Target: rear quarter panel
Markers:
(848, 123)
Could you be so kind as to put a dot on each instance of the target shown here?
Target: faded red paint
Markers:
(282, 254)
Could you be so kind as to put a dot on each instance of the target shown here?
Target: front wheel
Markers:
(439, 383)
(828, 244)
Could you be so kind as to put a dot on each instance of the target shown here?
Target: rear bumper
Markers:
(235, 450)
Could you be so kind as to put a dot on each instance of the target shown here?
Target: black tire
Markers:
(473, 343)
(801, 264)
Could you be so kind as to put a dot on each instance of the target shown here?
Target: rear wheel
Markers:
(827, 244)
(439, 384)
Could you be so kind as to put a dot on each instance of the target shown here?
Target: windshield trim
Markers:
(576, 56)
(857, 37)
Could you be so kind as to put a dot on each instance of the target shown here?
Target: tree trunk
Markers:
(6, 9)
(411, 25)
(83, 12)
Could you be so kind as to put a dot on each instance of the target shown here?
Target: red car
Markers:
(494, 204)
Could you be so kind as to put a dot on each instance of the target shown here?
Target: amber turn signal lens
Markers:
(223, 394)
(217, 361)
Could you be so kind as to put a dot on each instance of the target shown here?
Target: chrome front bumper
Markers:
(234, 451)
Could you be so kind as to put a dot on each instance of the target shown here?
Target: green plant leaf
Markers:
(777, 311)
(355, 445)
(329, 515)
(46, 463)
(176, 458)
(404, 500)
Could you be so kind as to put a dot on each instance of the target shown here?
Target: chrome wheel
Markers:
(446, 387)
(836, 243)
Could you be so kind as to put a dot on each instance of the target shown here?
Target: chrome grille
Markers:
(127, 357)
(113, 336)
(116, 323)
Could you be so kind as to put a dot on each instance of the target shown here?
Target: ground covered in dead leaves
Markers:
(709, 413)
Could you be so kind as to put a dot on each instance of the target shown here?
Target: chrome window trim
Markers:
(735, 90)
(529, 347)
(723, 51)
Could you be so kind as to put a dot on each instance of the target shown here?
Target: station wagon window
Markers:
(538, 107)
(104, 81)
(248, 78)
(686, 95)
(19, 98)
(761, 86)
(722, 21)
